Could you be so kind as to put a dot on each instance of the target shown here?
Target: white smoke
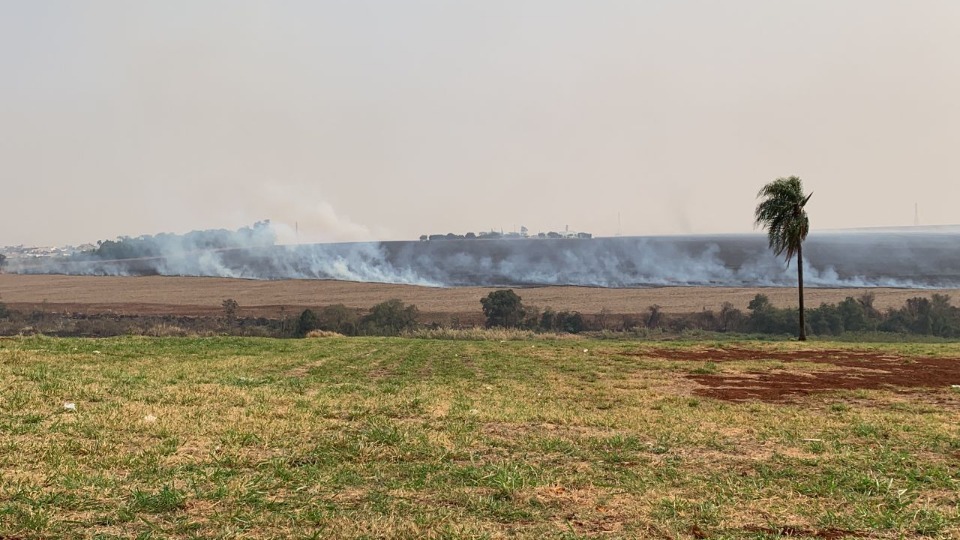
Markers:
(857, 260)
(303, 215)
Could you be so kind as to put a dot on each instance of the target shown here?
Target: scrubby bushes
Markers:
(389, 318)
(562, 321)
(934, 316)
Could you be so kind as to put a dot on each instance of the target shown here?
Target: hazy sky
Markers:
(388, 119)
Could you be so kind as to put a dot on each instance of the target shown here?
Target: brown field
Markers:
(202, 296)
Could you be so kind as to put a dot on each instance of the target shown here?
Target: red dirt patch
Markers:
(859, 370)
(828, 534)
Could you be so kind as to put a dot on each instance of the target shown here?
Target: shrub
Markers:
(503, 309)
(389, 318)
(340, 319)
(230, 307)
(306, 323)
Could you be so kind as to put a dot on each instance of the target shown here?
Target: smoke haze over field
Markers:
(864, 259)
(380, 120)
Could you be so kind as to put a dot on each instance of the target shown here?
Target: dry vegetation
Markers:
(411, 438)
(204, 296)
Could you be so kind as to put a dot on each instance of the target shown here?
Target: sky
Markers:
(363, 120)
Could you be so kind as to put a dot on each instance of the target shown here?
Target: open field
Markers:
(204, 296)
(403, 438)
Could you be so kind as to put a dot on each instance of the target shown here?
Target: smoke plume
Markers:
(862, 259)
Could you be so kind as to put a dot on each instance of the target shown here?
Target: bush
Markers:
(340, 319)
(564, 321)
(389, 318)
(503, 309)
(766, 319)
(306, 323)
(230, 307)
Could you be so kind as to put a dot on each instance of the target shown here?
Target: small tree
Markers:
(730, 317)
(3, 262)
(307, 323)
(503, 309)
(603, 318)
(656, 316)
(230, 307)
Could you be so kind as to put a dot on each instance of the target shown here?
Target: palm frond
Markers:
(781, 212)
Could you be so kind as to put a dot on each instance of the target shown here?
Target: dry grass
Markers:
(324, 334)
(485, 334)
(204, 296)
(413, 438)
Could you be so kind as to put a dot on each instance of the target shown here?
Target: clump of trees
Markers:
(569, 322)
(505, 309)
(934, 316)
(390, 318)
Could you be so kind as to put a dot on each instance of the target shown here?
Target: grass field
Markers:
(406, 438)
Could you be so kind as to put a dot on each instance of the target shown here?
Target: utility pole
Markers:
(916, 214)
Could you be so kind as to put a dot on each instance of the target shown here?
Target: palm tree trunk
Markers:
(803, 326)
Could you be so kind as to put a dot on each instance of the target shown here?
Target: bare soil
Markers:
(158, 295)
(856, 370)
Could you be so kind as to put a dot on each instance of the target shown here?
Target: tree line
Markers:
(934, 316)
(919, 316)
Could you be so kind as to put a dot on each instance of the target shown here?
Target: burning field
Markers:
(832, 260)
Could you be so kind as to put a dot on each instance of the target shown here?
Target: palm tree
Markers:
(782, 213)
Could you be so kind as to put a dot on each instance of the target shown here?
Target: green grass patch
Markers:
(458, 438)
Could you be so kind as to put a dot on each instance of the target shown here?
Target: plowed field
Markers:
(198, 296)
